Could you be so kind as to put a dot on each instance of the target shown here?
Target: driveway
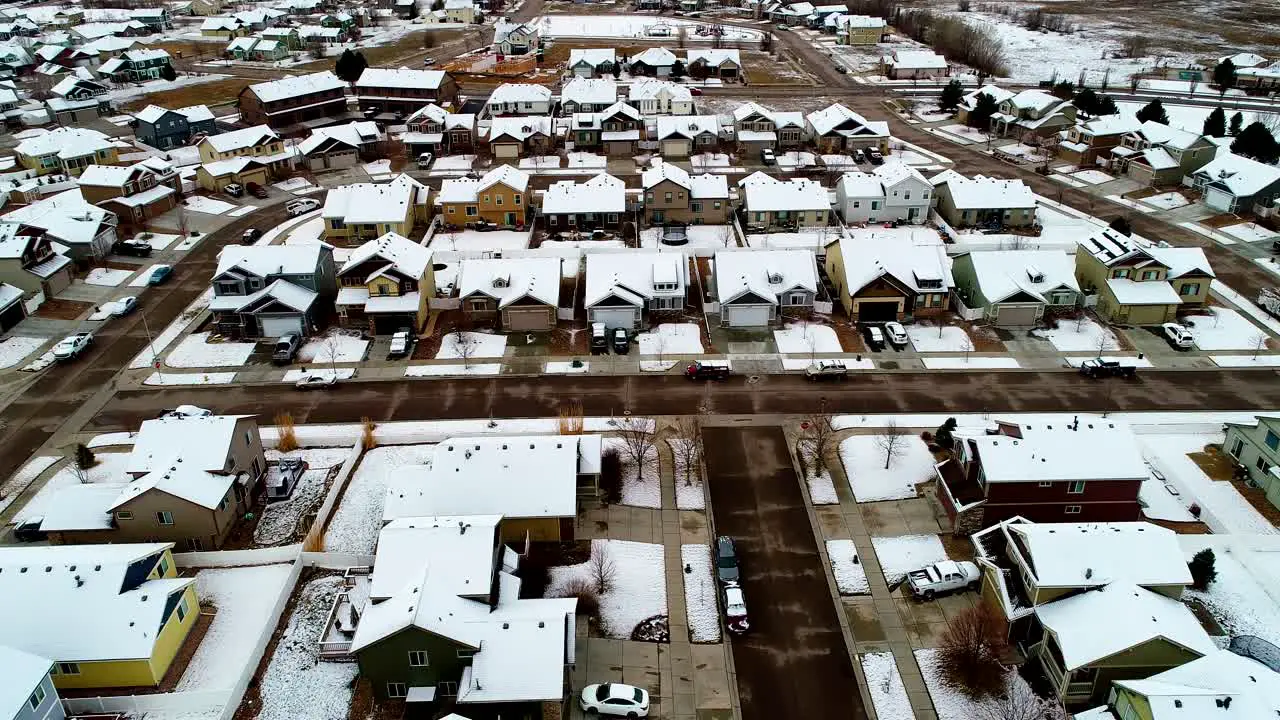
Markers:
(793, 662)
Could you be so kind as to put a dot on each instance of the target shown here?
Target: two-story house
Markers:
(272, 290)
(1014, 288)
(256, 49)
(1233, 183)
(252, 154)
(29, 262)
(1086, 141)
(913, 65)
(1256, 447)
(66, 150)
(511, 294)
(435, 130)
(137, 66)
(893, 191)
(592, 62)
(585, 95)
(599, 203)
(87, 230)
(981, 201)
(615, 129)
(402, 91)
(1138, 284)
(1240, 679)
(165, 129)
(660, 97)
(674, 197)
(1032, 112)
(515, 38)
(360, 212)
(625, 289)
(386, 286)
(756, 288)
(291, 100)
(836, 128)
(30, 694)
(770, 203)
(757, 127)
(878, 281)
(685, 135)
(1156, 154)
(518, 136)
(500, 197)
(342, 146)
(135, 193)
(519, 99)
(859, 29)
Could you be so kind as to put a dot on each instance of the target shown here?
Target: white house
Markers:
(587, 95)
(622, 286)
(913, 64)
(520, 99)
(754, 287)
(654, 62)
(893, 191)
(600, 202)
(514, 38)
(659, 97)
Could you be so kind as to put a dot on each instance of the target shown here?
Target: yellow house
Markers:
(215, 176)
(385, 285)
(109, 616)
(66, 150)
(363, 211)
(1141, 285)
(500, 196)
(258, 141)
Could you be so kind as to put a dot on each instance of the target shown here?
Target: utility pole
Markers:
(150, 343)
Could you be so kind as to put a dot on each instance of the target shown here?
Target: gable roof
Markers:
(601, 194)
(1033, 100)
(406, 256)
(1239, 175)
(1002, 274)
(201, 442)
(241, 139)
(651, 89)
(66, 216)
(867, 259)
(831, 118)
(1094, 554)
(401, 78)
(766, 273)
(714, 56)
(1197, 688)
(297, 86)
(518, 93)
(594, 91)
(267, 260)
(594, 57)
(23, 671)
(507, 280)
(982, 193)
(1163, 135)
(687, 126)
(370, 203)
(765, 193)
(916, 60)
(65, 142)
(520, 127)
(355, 134)
(654, 57)
(508, 175)
(631, 275)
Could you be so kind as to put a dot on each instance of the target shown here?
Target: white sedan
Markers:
(614, 699)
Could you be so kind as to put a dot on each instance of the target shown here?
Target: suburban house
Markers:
(511, 294)
(622, 287)
(257, 49)
(970, 100)
(165, 129)
(75, 87)
(674, 197)
(135, 193)
(363, 211)
(653, 62)
(1234, 183)
(518, 136)
(1013, 288)
(755, 288)
(660, 97)
(1238, 681)
(1032, 112)
(242, 171)
(685, 135)
(500, 196)
(66, 150)
(585, 95)
(29, 693)
(836, 128)
(461, 11)
(769, 203)
(615, 129)
(1256, 447)
(402, 91)
(436, 130)
(470, 476)
(914, 64)
(29, 262)
(519, 99)
(757, 127)
(137, 66)
(1137, 284)
(342, 146)
(596, 204)
(292, 100)
(87, 231)
(592, 62)
(322, 35)
(981, 201)
(224, 27)
(1091, 603)
(272, 290)
(386, 285)
(894, 191)
(1156, 154)
(858, 29)
(62, 608)
(1086, 141)
(444, 625)
(259, 142)
(514, 38)
(878, 281)
(725, 63)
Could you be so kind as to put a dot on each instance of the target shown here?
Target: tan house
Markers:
(1156, 154)
(519, 136)
(878, 281)
(29, 263)
(500, 197)
(66, 150)
(511, 294)
(386, 285)
(135, 194)
(981, 201)
(1032, 112)
(363, 211)
(796, 203)
(859, 29)
(836, 128)
(674, 197)
(1087, 141)
(1139, 285)
(259, 142)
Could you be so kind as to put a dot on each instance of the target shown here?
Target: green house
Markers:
(1222, 684)
(1256, 446)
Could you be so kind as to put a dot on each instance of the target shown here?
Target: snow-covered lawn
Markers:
(280, 519)
(1245, 360)
(1023, 152)
(951, 702)
(454, 162)
(1167, 201)
(540, 162)
(25, 475)
(689, 494)
(1224, 508)
(378, 167)
(586, 160)
(457, 345)
(1092, 177)
(113, 438)
(243, 597)
(708, 161)
(807, 339)
(1237, 599)
(671, 339)
(1079, 336)
(888, 694)
(809, 238)
(296, 684)
(1220, 328)
(822, 491)
(796, 160)
(864, 462)
(14, 349)
(355, 525)
(208, 378)
(970, 363)
(901, 554)
(700, 593)
(1160, 504)
(480, 240)
(965, 132)
(195, 351)
(1249, 232)
(334, 346)
(107, 277)
(642, 488)
(927, 338)
(446, 370)
(696, 236)
(639, 587)
(202, 204)
(851, 577)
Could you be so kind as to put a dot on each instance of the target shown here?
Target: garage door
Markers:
(749, 316)
(535, 319)
(506, 151)
(675, 147)
(277, 326)
(11, 316)
(615, 317)
(1218, 200)
(1017, 315)
(877, 311)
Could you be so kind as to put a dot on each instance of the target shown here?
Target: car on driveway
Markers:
(874, 157)
(735, 608)
(943, 577)
(316, 381)
(136, 248)
(402, 343)
(781, 26)
(72, 346)
(1178, 336)
(874, 337)
(726, 560)
(767, 157)
(257, 190)
(620, 341)
(614, 699)
(599, 339)
(301, 206)
(286, 347)
(896, 334)
(160, 274)
(233, 190)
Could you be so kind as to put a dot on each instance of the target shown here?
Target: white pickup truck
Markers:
(943, 577)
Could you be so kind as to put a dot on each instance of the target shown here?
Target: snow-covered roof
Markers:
(193, 113)
(520, 127)
(632, 275)
(177, 478)
(219, 168)
(107, 175)
(593, 91)
(23, 671)
(766, 273)
(401, 78)
(594, 57)
(1110, 125)
(895, 171)
(601, 194)
(510, 279)
(297, 86)
(1092, 448)
(406, 256)
(714, 56)
(281, 291)
(791, 195)
(456, 550)
(508, 175)
(652, 89)
(1197, 689)
(201, 442)
(1097, 624)
(371, 203)
(356, 134)
(859, 184)
(687, 126)
(65, 142)
(1159, 159)
(1149, 292)
(1239, 175)
(1182, 260)
(861, 21)
(985, 193)
(1002, 274)
(220, 23)
(241, 139)
(503, 29)
(654, 57)
(1163, 135)
(267, 260)
(51, 614)
(1034, 100)
(520, 93)
(1245, 59)
(1070, 555)
(84, 506)
(919, 268)
(66, 216)
(916, 60)
(834, 117)
(458, 190)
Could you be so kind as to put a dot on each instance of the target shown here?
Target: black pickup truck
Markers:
(1099, 368)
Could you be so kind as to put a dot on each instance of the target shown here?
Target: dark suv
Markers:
(136, 248)
(726, 560)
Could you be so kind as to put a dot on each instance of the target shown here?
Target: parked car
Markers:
(620, 341)
(135, 248)
(250, 236)
(402, 343)
(301, 206)
(943, 577)
(313, 381)
(708, 370)
(124, 306)
(425, 160)
(599, 340)
(286, 347)
(614, 699)
(29, 530)
(726, 560)
(187, 411)
(896, 334)
(874, 337)
(874, 157)
(288, 473)
(71, 347)
(782, 26)
(735, 608)
(257, 190)
(1178, 336)
(767, 157)
(695, 91)
(160, 274)
(233, 190)
(827, 370)
(856, 155)
(1099, 368)
(428, 62)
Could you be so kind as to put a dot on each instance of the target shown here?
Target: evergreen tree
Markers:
(84, 457)
(1224, 75)
(952, 94)
(1065, 89)
(168, 73)
(1202, 569)
(1237, 122)
(360, 65)
(344, 66)
(1122, 226)
(1106, 106)
(1257, 142)
(677, 70)
(1087, 101)
(1216, 124)
(983, 108)
(1154, 111)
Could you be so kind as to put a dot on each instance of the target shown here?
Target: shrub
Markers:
(588, 598)
(971, 650)
(84, 457)
(367, 427)
(611, 476)
(1202, 569)
(288, 439)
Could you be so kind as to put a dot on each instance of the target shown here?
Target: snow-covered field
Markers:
(1191, 117)
(812, 238)
(202, 204)
(1249, 232)
(195, 351)
(107, 277)
(851, 577)
(355, 525)
(888, 694)
(927, 338)
(639, 587)
(1237, 599)
(243, 597)
(642, 488)
(1220, 328)
(14, 349)
(901, 554)
(700, 593)
(1245, 360)
(689, 494)
(280, 519)
(671, 339)
(864, 458)
(807, 338)
(951, 702)
(459, 345)
(333, 346)
(1084, 335)
(965, 132)
(296, 684)
(631, 26)
(1167, 201)
(1224, 508)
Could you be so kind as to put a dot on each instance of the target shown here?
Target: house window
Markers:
(164, 561)
(716, 204)
(497, 200)
(875, 204)
(696, 207)
(397, 690)
(222, 505)
(68, 668)
(515, 199)
(906, 195)
(471, 211)
(183, 609)
(1150, 274)
(1046, 483)
(479, 305)
(466, 653)
(1261, 464)
(1121, 273)
(666, 197)
(613, 219)
(449, 210)
(796, 298)
(417, 658)
(857, 204)
(124, 515)
(164, 517)
(449, 689)
(1189, 289)
(1076, 487)
(36, 698)
(1271, 440)
(1072, 510)
(1236, 448)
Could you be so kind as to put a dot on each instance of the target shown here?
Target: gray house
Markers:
(163, 129)
(29, 693)
(1256, 446)
(272, 290)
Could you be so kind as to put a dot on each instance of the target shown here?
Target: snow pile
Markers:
(1082, 335)
(565, 367)
(901, 554)
(689, 495)
(355, 525)
(639, 587)
(446, 370)
(1219, 328)
(851, 577)
(333, 346)
(14, 350)
(864, 462)
(700, 593)
(296, 684)
(801, 338)
(243, 597)
(459, 345)
(107, 277)
(671, 339)
(195, 351)
(951, 702)
(280, 521)
(888, 694)
(639, 488)
(943, 338)
(1236, 599)
(1167, 201)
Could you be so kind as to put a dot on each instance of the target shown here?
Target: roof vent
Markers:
(774, 277)
(506, 626)
(1034, 274)
(502, 282)
(1088, 573)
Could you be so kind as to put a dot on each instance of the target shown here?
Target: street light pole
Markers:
(150, 343)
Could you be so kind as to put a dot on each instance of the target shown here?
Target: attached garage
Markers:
(333, 160)
(1219, 200)
(675, 148)
(506, 150)
(877, 310)
(1016, 315)
(536, 319)
(12, 311)
(620, 147)
(748, 315)
(277, 325)
(619, 317)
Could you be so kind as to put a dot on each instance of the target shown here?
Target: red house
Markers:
(1088, 469)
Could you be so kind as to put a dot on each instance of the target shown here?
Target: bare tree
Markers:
(638, 442)
(819, 435)
(1259, 344)
(331, 346)
(1104, 342)
(966, 346)
(1020, 702)
(727, 237)
(600, 568)
(892, 441)
(972, 646)
(808, 337)
(688, 451)
(464, 345)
